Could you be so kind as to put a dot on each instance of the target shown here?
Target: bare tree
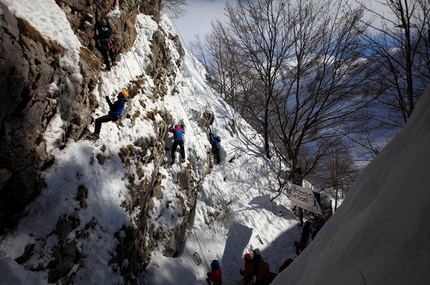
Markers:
(321, 92)
(299, 68)
(259, 31)
(400, 45)
(337, 172)
(226, 73)
(228, 60)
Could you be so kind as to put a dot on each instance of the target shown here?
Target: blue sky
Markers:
(202, 12)
(198, 19)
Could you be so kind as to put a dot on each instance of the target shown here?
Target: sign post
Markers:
(305, 198)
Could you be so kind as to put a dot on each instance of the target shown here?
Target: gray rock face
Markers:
(26, 107)
(29, 65)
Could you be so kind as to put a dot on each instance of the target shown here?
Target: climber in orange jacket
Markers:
(248, 271)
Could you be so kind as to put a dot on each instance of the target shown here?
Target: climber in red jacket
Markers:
(215, 276)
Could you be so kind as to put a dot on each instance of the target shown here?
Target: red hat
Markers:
(247, 256)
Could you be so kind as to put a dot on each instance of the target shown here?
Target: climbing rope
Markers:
(234, 255)
(210, 91)
(125, 61)
(201, 250)
(240, 237)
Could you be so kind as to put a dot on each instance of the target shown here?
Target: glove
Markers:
(107, 98)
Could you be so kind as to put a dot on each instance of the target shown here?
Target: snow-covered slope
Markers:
(380, 233)
(233, 214)
(378, 236)
(233, 210)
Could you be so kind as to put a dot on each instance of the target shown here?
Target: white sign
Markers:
(305, 198)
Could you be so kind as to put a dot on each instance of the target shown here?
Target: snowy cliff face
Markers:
(47, 72)
(56, 190)
(116, 212)
(380, 233)
(29, 64)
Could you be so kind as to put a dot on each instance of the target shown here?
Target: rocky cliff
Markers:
(30, 67)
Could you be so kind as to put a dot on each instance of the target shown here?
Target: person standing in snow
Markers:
(316, 227)
(178, 134)
(215, 276)
(261, 268)
(257, 259)
(216, 145)
(248, 271)
(257, 255)
(116, 110)
(304, 238)
(105, 43)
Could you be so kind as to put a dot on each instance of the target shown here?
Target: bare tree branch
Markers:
(175, 7)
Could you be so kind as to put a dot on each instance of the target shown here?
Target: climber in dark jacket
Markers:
(116, 110)
(105, 44)
(316, 227)
(216, 145)
(178, 133)
(304, 238)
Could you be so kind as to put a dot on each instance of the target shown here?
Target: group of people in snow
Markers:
(309, 229)
(178, 140)
(104, 44)
(256, 268)
(117, 108)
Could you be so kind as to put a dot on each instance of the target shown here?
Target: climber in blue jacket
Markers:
(115, 112)
(216, 145)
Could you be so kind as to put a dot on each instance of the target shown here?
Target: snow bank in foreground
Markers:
(379, 235)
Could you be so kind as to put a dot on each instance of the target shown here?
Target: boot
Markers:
(93, 136)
